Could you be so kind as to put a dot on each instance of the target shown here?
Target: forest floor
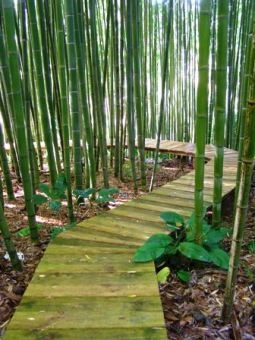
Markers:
(192, 311)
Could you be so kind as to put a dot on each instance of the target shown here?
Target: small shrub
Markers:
(101, 196)
(180, 242)
(52, 195)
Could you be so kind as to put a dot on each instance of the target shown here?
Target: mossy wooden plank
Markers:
(227, 176)
(135, 229)
(60, 246)
(148, 214)
(88, 312)
(122, 231)
(153, 333)
(167, 201)
(97, 235)
(90, 263)
(97, 244)
(178, 186)
(128, 231)
(189, 185)
(165, 192)
(86, 284)
(159, 207)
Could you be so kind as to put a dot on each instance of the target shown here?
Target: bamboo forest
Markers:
(127, 178)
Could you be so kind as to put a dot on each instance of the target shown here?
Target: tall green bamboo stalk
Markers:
(97, 84)
(10, 247)
(6, 104)
(202, 113)
(1, 193)
(62, 78)
(130, 90)
(84, 95)
(5, 167)
(248, 155)
(163, 88)
(41, 87)
(220, 111)
(73, 90)
(19, 112)
(136, 14)
(244, 91)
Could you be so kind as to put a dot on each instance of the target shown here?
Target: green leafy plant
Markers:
(105, 195)
(127, 170)
(251, 246)
(84, 194)
(181, 241)
(163, 274)
(52, 195)
(184, 275)
(55, 231)
(101, 196)
(26, 231)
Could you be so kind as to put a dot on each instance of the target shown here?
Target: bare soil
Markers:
(191, 311)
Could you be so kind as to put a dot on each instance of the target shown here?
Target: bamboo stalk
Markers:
(219, 126)
(202, 111)
(248, 155)
(19, 114)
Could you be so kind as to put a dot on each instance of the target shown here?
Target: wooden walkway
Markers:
(86, 286)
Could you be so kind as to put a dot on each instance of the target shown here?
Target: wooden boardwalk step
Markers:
(86, 286)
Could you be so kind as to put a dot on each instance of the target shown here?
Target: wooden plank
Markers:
(97, 235)
(61, 247)
(167, 201)
(127, 227)
(88, 313)
(149, 333)
(98, 245)
(90, 263)
(145, 214)
(180, 193)
(159, 207)
(91, 284)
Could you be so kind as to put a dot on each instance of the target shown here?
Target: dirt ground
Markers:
(192, 311)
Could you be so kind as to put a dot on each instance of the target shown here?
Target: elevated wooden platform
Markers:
(86, 286)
